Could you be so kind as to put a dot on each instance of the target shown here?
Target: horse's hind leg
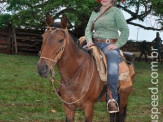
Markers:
(123, 95)
(88, 111)
(69, 114)
(120, 117)
(112, 117)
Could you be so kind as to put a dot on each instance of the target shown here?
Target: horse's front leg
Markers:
(69, 113)
(88, 111)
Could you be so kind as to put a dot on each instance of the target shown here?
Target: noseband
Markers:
(55, 60)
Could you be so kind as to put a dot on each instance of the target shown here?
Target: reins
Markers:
(78, 70)
(52, 72)
(52, 82)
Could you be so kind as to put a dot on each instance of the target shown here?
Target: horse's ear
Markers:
(64, 22)
(49, 20)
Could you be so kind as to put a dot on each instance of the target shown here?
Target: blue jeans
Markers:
(112, 57)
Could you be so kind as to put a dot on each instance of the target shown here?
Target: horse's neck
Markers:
(71, 60)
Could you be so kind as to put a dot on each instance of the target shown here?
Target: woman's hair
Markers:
(97, 9)
(114, 2)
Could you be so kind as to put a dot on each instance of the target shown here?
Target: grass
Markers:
(25, 96)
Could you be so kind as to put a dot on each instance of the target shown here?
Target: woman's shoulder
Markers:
(115, 8)
(94, 13)
(117, 11)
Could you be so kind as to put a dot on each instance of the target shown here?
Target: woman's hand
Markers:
(89, 44)
(111, 47)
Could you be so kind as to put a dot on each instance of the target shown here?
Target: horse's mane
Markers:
(76, 40)
(77, 43)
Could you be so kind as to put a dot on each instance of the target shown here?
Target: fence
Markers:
(18, 41)
(5, 41)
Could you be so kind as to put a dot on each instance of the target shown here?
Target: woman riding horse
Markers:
(80, 84)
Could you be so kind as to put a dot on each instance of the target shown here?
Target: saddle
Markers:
(101, 64)
(126, 59)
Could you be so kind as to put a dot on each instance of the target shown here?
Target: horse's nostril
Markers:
(42, 70)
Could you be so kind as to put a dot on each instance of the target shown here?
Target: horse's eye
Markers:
(61, 40)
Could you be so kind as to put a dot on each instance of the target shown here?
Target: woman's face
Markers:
(106, 2)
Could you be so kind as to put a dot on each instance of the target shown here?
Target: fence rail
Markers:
(5, 45)
(17, 41)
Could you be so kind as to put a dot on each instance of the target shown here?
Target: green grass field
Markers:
(25, 96)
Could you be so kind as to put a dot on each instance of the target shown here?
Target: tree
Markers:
(141, 9)
(31, 13)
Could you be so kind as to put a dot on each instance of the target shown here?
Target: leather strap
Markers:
(105, 41)
(93, 24)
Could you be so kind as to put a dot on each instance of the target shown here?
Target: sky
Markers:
(140, 34)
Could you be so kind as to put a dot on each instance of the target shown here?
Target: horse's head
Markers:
(54, 41)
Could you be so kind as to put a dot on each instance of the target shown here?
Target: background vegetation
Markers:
(31, 13)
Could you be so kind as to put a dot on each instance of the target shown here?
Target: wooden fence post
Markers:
(15, 41)
(9, 39)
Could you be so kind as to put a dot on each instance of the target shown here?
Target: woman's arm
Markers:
(123, 28)
(88, 33)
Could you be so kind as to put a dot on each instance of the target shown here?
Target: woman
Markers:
(105, 36)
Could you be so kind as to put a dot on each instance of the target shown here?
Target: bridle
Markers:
(54, 62)
(59, 55)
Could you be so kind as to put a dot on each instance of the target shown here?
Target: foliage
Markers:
(31, 13)
(25, 96)
(157, 4)
(4, 20)
(158, 9)
(140, 9)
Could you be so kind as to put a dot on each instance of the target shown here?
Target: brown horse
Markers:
(80, 84)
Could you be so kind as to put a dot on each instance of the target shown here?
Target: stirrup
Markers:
(116, 105)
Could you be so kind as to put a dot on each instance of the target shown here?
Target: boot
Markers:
(112, 106)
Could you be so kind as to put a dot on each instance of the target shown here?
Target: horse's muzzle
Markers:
(43, 70)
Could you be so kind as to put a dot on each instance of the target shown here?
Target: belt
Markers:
(113, 41)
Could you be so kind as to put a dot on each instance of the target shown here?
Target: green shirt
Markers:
(107, 26)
